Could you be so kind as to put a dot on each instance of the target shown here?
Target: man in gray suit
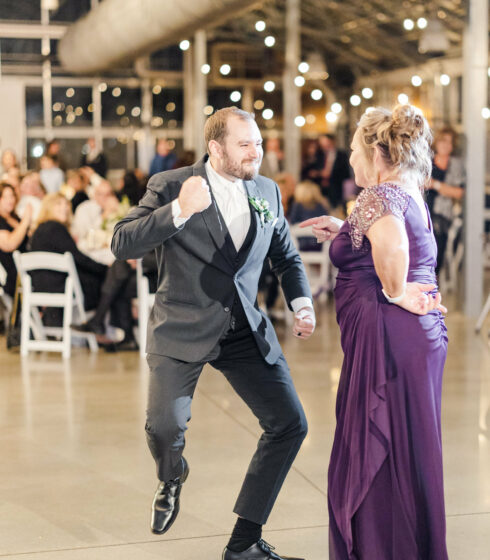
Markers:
(212, 225)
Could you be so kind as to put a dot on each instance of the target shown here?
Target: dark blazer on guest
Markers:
(54, 237)
(198, 275)
(340, 172)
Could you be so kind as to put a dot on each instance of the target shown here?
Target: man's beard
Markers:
(239, 170)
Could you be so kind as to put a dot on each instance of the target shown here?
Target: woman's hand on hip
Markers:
(419, 300)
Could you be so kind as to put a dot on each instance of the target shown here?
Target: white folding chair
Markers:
(320, 271)
(5, 299)
(145, 302)
(70, 300)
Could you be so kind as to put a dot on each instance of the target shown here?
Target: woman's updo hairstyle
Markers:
(403, 137)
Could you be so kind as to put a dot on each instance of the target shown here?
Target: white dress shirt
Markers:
(232, 200)
(88, 216)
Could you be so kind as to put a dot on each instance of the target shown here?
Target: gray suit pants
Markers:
(268, 391)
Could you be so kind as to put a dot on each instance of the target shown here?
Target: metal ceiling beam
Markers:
(22, 30)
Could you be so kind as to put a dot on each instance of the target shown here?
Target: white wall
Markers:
(12, 117)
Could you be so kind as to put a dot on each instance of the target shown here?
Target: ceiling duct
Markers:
(120, 30)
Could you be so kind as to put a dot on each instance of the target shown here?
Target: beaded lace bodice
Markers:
(372, 204)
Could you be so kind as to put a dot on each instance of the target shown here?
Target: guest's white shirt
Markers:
(52, 179)
(88, 215)
(232, 200)
(35, 203)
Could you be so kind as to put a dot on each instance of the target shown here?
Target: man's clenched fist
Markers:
(194, 196)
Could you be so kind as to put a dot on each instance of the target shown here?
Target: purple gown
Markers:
(385, 482)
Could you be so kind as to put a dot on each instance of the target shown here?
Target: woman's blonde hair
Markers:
(46, 212)
(403, 137)
(308, 194)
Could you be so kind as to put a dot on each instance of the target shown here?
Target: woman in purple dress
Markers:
(385, 483)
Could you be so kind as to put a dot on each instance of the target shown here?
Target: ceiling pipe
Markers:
(118, 31)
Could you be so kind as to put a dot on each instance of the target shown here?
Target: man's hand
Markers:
(304, 323)
(194, 196)
(324, 227)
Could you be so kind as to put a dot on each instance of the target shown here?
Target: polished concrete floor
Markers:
(77, 480)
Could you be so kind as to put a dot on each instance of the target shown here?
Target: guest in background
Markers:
(9, 159)
(51, 175)
(308, 203)
(13, 177)
(92, 178)
(130, 188)
(331, 169)
(273, 161)
(187, 158)
(53, 148)
(91, 213)
(309, 158)
(31, 193)
(76, 187)
(446, 187)
(164, 158)
(52, 234)
(93, 157)
(118, 289)
(13, 233)
(286, 184)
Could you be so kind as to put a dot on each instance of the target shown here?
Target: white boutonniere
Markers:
(261, 205)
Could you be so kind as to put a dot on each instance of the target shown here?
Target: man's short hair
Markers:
(216, 127)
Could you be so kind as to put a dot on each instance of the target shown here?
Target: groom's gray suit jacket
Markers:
(197, 277)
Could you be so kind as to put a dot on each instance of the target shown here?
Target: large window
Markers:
(34, 106)
(121, 106)
(168, 108)
(72, 106)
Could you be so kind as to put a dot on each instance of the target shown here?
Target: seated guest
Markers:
(13, 234)
(308, 203)
(77, 183)
(31, 192)
(14, 177)
(52, 235)
(130, 188)
(118, 290)
(51, 175)
(9, 159)
(91, 214)
(92, 178)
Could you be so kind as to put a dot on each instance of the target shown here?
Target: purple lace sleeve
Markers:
(372, 204)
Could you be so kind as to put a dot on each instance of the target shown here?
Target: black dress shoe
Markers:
(166, 502)
(89, 327)
(258, 551)
(127, 345)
